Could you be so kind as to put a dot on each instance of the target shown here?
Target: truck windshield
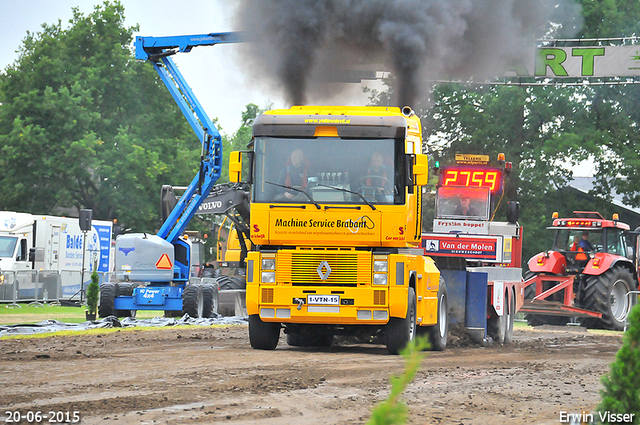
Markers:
(463, 203)
(7, 246)
(327, 169)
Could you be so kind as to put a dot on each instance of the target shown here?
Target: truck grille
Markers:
(305, 267)
(379, 298)
(267, 295)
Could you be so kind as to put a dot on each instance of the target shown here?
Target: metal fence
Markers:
(45, 286)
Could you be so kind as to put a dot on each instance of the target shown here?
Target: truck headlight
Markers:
(380, 266)
(268, 277)
(379, 278)
(268, 264)
(1, 279)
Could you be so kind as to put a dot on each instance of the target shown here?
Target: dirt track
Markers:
(206, 375)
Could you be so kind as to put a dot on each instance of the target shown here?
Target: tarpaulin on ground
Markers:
(47, 326)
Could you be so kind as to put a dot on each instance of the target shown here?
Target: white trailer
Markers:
(52, 248)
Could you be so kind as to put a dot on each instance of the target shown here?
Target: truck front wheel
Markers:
(399, 332)
(438, 334)
(263, 335)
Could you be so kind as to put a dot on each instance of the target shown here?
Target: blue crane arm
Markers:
(158, 51)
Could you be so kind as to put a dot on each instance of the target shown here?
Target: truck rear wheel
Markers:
(263, 335)
(607, 294)
(192, 301)
(497, 327)
(209, 300)
(438, 333)
(511, 317)
(500, 328)
(399, 332)
(107, 298)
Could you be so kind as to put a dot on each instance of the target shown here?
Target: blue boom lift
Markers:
(153, 270)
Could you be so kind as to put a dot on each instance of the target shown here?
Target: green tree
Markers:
(621, 394)
(610, 18)
(85, 125)
(238, 141)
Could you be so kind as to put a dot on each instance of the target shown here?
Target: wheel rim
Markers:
(618, 300)
(442, 319)
(508, 312)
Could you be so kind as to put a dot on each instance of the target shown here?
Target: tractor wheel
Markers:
(192, 301)
(511, 317)
(107, 298)
(238, 282)
(125, 289)
(438, 333)
(224, 282)
(540, 319)
(209, 300)
(263, 335)
(399, 332)
(607, 294)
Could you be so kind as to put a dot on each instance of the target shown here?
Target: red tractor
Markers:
(587, 274)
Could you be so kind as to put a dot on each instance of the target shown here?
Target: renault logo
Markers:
(324, 275)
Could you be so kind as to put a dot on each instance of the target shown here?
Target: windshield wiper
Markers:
(297, 190)
(349, 191)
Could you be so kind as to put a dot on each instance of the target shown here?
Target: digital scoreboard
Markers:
(472, 177)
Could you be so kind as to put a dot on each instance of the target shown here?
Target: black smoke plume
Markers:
(298, 44)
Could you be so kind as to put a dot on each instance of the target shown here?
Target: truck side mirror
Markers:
(235, 167)
(240, 169)
(421, 170)
(32, 255)
(513, 211)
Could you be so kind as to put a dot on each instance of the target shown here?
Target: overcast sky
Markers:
(212, 72)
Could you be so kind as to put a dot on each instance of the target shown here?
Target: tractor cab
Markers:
(582, 240)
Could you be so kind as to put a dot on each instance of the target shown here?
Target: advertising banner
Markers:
(579, 61)
(460, 226)
(328, 227)
(484, 248)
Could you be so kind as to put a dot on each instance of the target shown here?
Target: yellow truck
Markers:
(336, 225)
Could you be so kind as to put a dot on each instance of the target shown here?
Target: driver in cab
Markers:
(295, 175)
(377, 174)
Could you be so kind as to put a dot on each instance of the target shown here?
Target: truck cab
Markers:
(336, 228)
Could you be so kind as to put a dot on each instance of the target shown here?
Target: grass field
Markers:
(31, 314)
